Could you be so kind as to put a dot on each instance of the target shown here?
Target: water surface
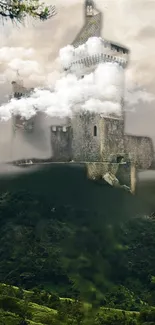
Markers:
(68, 185)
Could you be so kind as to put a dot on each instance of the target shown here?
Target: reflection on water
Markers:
(68, 185)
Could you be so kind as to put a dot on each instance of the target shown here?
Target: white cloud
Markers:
(100, 91)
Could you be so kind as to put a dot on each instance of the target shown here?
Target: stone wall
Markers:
(86, 146)
(113, 138)
(140, 150)
(61, 142)
(108, 140)
(123, 172)
(95, 170)
(88, 64)
(19, 90)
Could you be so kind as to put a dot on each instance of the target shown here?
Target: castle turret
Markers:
(89, 8)
(109, 51)
(18, 92)
(92, 26)
(97, 136)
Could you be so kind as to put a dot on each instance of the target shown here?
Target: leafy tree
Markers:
(54, 301)
(121, 297)
(66, 251)
(16, 10)
(147, 316)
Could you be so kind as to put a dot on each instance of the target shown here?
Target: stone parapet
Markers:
(96, 59)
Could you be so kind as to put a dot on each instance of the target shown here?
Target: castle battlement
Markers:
(92, 138)
(107, 51)
(93, 60)
(57, 128)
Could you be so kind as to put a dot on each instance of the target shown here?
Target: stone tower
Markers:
(97, 137)
(89, 8)
(92, 26)
(19, 91)
(92, 136)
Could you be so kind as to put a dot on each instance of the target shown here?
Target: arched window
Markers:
(95, 131)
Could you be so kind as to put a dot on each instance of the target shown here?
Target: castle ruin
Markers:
(96, 140)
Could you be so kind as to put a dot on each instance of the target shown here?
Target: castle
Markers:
(19, 90)
(97, 140)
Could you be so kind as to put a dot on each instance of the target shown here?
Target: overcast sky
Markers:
(129, 22)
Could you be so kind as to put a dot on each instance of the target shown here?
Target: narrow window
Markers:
(95, 131)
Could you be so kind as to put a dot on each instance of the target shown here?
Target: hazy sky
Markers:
(128, 22)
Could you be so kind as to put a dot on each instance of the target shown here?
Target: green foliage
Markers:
(113, 317)
(13, 305)
(40, 246)
(26, 309)
(147, 316)
(71, 311)
(121, 297)
(59, 251)
(8, 318)
(68, 312)
(18, 9)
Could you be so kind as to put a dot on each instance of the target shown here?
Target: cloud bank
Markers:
(100, 91)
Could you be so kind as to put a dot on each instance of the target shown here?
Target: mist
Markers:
(33, 49)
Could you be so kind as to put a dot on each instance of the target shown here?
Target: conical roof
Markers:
(92, 26)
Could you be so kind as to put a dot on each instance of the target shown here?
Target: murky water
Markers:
(68, 185)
